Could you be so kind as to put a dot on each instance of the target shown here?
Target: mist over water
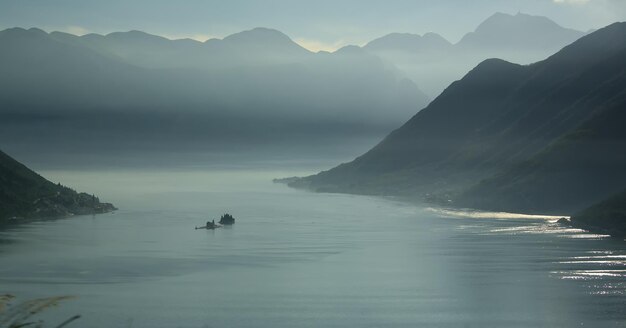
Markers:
(520, 114)
(119, 154)
(303, 259)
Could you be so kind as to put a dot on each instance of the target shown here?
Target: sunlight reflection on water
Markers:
(601, 272)
(298, 259)
(476, 214)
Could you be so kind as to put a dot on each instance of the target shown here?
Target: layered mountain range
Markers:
(256, 90)
(137, 91)
(543, 138)
(433, 62)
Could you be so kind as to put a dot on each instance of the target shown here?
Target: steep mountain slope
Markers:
(578, 169)
(501, 115)
(25, 194)
(608, 216)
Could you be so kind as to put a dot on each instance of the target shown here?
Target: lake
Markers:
(300, 259)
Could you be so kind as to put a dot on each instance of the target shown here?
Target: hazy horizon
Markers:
(475, 177)
(324, 25)
(255, 92)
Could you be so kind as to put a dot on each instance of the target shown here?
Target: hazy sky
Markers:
(319, 24)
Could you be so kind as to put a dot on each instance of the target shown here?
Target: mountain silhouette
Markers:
(406, 42)
(504, 32)
(259, 46)
(433, 63)
(264, 38)
(519, 38)
(37, 71)
(542, 138)
(257, 87)
(25, 194)
(605, 217)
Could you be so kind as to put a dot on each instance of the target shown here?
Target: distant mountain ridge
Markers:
(258, 46)
(429, 42)
(500, 33)
(520, 31)
(529, 133)
(253, 88)
(232, 55)
(429, 60)
(433, 63)
(26, 195)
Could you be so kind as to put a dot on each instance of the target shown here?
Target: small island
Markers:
(227, 219)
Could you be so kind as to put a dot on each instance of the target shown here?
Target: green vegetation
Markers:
(25, 194)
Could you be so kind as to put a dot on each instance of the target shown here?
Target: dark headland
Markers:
(25, 194)
(606, 217)
(545, 138)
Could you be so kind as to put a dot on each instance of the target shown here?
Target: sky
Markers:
(316, 25)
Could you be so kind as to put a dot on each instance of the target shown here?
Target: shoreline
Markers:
(17, 221)
(461, 212)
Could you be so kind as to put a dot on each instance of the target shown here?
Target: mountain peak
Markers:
(134, 35)
(408, 42)
(22, 32)
(502, 20)
(490, 67)
(262, 38)
(259, 34)
(433, 36)
(350, 50)
(521, 31)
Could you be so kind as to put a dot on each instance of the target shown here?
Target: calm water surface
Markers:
(298, 259)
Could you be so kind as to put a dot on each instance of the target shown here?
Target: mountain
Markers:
(406, 42)
(546, 137)
(506, 33)
(433, 63)
(39, 71)
(608, 216)
(139, 48)
(259, 46)
(25, 194)
(64, 93)
(581, 165)
(262, 40)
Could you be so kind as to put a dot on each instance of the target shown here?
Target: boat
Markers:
(210, 225)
